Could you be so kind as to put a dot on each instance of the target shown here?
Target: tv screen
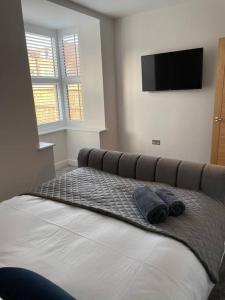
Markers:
(179, 70)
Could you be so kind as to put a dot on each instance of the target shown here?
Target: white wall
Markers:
(60, 149)
(182, 120)
(88, 29)
(22, 165)
(48, 18)
(69, 142)
(56, 20)
(97, 69)
(109, 138)
(80, 139)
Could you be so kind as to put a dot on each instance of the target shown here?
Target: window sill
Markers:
(85, 129)
(49, 131)
(88, 129)
(43, 145)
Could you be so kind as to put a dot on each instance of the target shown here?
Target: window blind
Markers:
(42, 55)
(75, 101)
(46, 103)
(44, 73)
(49, 87)
(71, 55)
(72, 82)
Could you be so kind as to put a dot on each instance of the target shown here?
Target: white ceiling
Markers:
(120, 8)
(46, 14)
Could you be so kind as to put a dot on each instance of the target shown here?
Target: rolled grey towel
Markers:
(153, 209)
(176, 207)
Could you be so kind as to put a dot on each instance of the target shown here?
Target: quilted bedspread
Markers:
(201, 228)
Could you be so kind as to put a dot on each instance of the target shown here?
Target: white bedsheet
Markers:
(95, 257)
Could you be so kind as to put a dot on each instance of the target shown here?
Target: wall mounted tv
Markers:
(179, 70)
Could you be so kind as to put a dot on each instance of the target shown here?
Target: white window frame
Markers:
(53, 126)
(71, 79)
(61, 80)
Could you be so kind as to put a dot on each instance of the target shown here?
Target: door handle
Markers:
(218, 119)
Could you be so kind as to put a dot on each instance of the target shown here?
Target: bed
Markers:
(95, 255)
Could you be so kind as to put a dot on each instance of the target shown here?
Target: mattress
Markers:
(113, 195)
(93, 256)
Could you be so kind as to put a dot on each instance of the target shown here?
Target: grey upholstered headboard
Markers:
(210, 179)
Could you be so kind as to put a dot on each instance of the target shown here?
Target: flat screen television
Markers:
(179, 70)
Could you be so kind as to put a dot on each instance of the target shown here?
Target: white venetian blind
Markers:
(71, 55)
(42, 55)
(75, 101)
(44, 73)
(71, 62)
(46, 103)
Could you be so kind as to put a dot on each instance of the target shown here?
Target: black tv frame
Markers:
(166, 75)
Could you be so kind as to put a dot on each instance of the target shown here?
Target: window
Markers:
(42, 55)
(44, 74)
(46, 103)
(72, 83)
(56, 97)
(71, 55)
(75, 105)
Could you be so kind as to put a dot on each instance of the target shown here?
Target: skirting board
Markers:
(64, 163)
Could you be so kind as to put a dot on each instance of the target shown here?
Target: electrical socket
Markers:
(156, 142)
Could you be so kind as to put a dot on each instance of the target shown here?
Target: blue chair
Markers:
(21, 284)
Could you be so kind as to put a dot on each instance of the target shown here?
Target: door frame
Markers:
(219, 94)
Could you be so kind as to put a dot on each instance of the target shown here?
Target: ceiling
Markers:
(46, 14)
(120, 8)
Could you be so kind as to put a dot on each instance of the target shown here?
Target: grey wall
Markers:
(182, 120)
(22, 165)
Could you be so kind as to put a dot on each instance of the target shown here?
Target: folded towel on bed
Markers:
(176, 207)
(153, 209)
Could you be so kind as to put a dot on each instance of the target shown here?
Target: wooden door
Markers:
(218, 139)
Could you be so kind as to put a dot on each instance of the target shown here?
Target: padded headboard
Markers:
(210, 179)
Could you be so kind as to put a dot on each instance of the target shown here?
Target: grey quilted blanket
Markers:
(201, 228)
